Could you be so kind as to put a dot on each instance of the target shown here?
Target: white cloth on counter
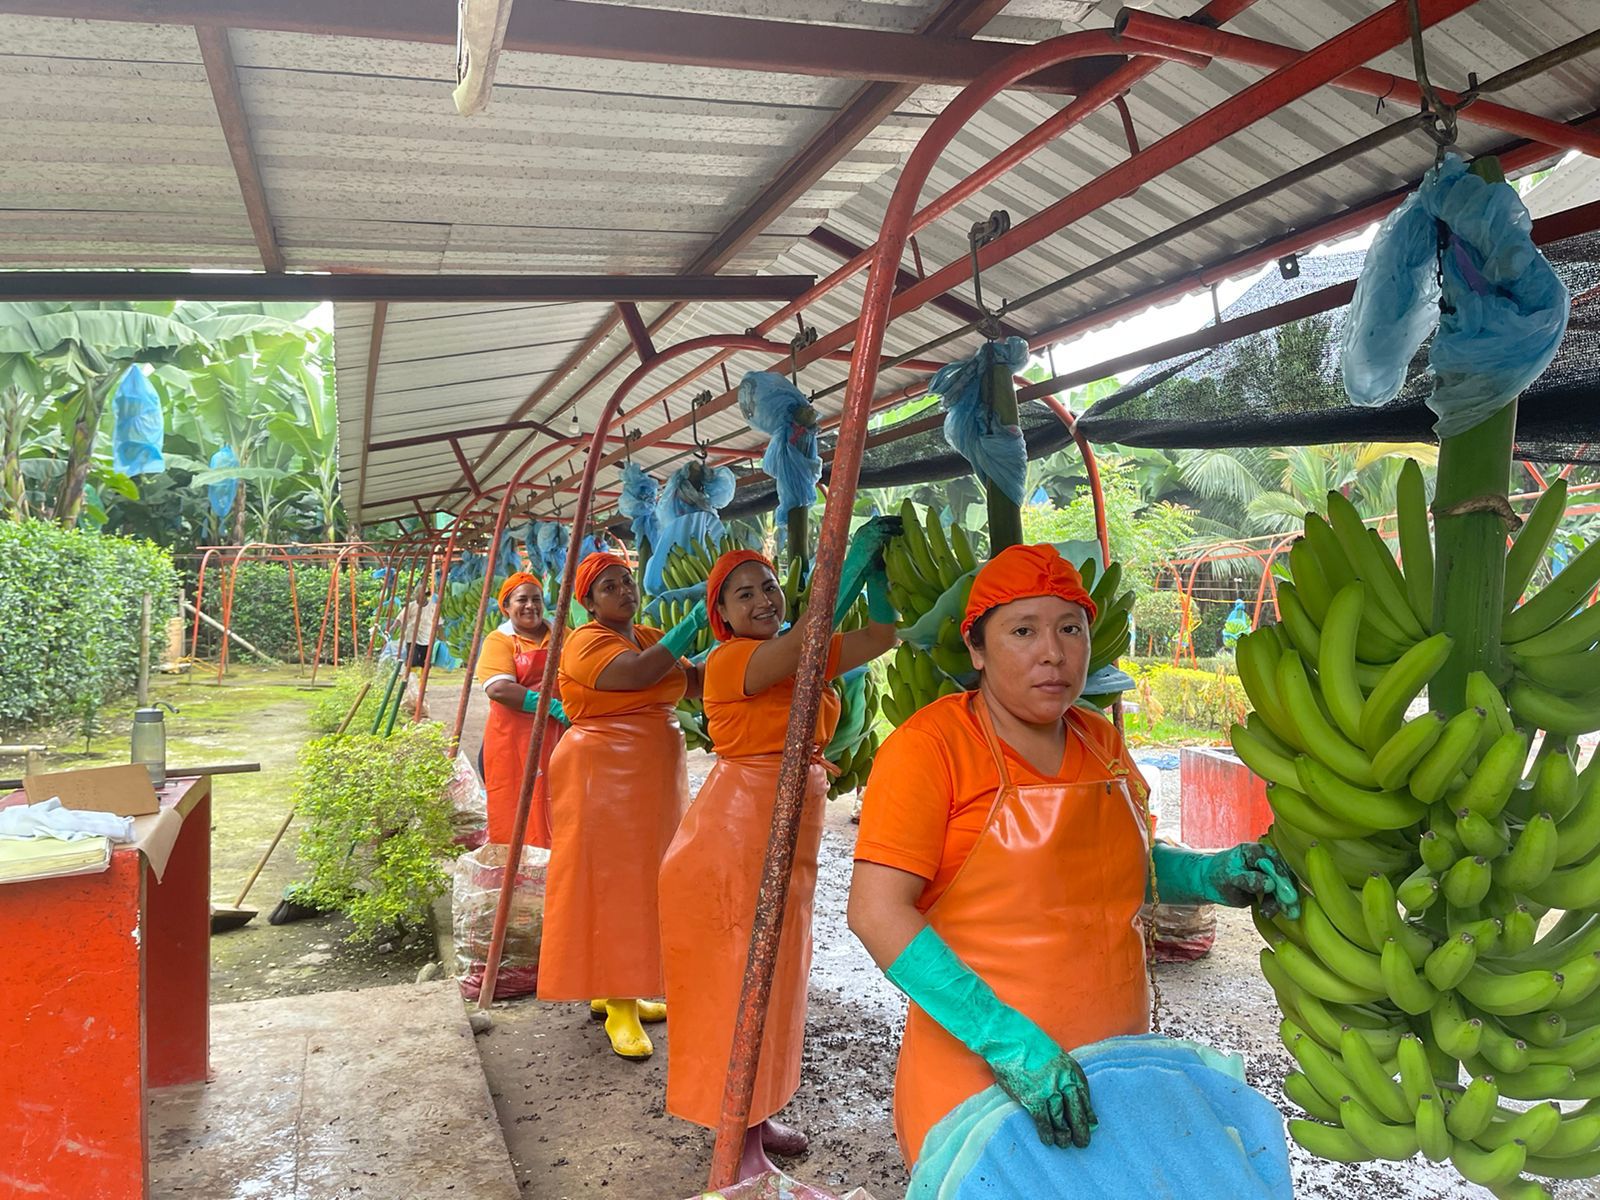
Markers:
(48, 819)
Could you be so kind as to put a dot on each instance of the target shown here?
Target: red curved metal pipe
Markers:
(199, 599)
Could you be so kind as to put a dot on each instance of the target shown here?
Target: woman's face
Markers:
(525, 607)
(752, 602)
(614, 598)
(1034, 657)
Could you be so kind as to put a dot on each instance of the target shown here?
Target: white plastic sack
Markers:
(474, 897)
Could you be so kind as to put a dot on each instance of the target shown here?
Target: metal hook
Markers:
(695, 405)
(980, 235)
(807, 335)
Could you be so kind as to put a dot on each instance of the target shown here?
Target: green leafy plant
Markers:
(330, 706)
(1143, 535)
(1208, 700)
(377, 831)
(1158, 618)
(69, 618)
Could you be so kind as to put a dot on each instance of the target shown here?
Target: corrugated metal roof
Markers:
(115, 157)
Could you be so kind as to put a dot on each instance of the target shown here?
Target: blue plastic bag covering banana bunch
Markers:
(1427, 1000)
(1504, 314)
(138, 429)
(1176, 1119)
(930, 571)
(997, 452)
(637, 502)
(781, 411)
(687, 515)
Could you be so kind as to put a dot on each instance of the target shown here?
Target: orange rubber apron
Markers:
(506, 735)
(709, 883)
(1045, 910)
(618, 788)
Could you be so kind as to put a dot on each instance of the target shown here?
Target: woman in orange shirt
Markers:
(618, 786)
(1002, 861)
(712, 873)
(510, 667)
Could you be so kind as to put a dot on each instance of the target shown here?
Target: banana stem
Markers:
(1470, 554)
(799, 522)
(1005, 516)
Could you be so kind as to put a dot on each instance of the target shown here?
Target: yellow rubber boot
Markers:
(651, 1012)
(628, 1038)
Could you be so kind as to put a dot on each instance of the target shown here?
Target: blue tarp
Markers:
(771, 403)
(222, 495)
(997, 452)
(138, 428)
(1505, 309)
(1176, 1119)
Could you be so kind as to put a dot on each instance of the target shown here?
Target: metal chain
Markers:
(695, 406)
(980, 235)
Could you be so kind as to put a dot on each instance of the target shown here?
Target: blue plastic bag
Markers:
(138, 428)
(1176, 1119)
(638, 503)
(1507, 309)
(771, 403)
(996, 452)
(553, 546)
(1237, 624)
(687, 513)
(222, 495)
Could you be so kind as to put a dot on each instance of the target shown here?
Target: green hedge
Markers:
(264, 616)
(69, 618)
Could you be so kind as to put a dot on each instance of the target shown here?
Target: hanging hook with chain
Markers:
(806, 335)
(980, 235)
(695, 405)
(1442, 125)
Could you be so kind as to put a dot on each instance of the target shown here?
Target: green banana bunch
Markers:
(925, 561)
(1418, 986)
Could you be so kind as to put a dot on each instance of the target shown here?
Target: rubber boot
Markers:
(753, 1162)
(651, 1012)
(628, 1038)
(778, 1138)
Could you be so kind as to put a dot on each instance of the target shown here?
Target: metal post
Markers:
(1005, 515)
(144, 650)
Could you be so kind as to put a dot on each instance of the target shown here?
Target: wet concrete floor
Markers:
(375, 1094)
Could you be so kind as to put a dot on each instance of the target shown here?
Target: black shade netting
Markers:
(1282, 387)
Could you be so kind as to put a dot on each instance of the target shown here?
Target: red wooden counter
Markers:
(104, 992)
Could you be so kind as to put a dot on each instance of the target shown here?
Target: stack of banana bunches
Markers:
(1441, 988)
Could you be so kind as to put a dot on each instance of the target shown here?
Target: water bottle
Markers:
(149, 741)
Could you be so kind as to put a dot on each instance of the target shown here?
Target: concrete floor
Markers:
(359, 1095)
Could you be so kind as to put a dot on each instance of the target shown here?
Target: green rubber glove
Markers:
(530, 701)
(1245, 875)
(879, 607)
(864, 553)
(681, 636)
(1027, 1063)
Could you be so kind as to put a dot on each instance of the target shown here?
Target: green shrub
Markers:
(1156, 618)
(331, 704)
(377, 831)
(1212, 699)
(263, 609)
(69, 618)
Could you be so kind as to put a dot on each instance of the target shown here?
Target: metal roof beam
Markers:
(224, 80)
(431, 289)
(610, 31)
(380, 314)
(638, 332)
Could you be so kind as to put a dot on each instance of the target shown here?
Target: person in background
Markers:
(510, 668)
(619, 784)
(712, 873)
(415, 627)
(1004, 855)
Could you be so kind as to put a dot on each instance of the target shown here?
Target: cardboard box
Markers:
(124, 790)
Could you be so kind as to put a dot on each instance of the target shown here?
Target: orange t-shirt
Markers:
(497, 659)
(588, 651)
(741, 724)
(933, 783)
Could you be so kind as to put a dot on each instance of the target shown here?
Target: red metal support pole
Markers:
(229, 584)
(337, 592)
(558, 623)
(355, 620)
(199, 599)
(294, 603)
(327, 607)
(1370, 37)
(433, 631)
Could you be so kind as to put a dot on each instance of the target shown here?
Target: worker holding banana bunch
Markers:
(712, 873)
(1005, 852)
